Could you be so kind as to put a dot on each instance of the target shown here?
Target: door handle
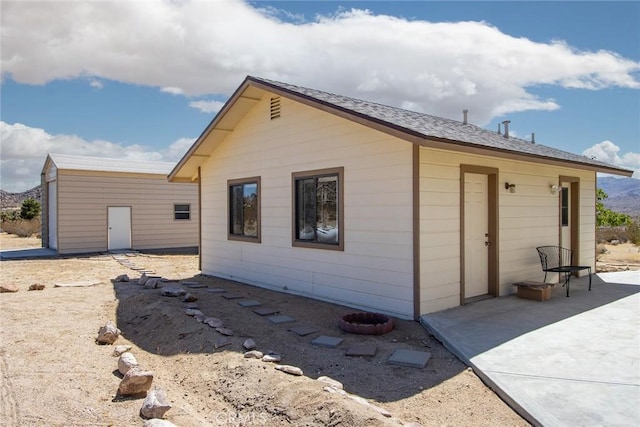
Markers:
(487, 243)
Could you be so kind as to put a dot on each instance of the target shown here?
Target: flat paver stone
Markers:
(365, 350)
(282, 318)
(249, 303)
(410, 358)
(304, 330)
(231, 296)
(266, 311)
(194, 285)
(326, 341)
(216, 290)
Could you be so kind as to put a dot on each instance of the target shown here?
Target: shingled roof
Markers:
(418, 128)
(428, 126)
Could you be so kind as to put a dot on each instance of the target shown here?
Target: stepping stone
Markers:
(266, 311)
(221, 342)
(410, 358)
(216, 290)
(194, 285)
(248, 303)
(231, 296)
(303, 330)
(326, 341)
(366, 350)
(281, 319)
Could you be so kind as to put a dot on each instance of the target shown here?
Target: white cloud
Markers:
(201, 48)
(23, 150)
(607, 151)
(172, 90)
(96, 83)
(207, 106)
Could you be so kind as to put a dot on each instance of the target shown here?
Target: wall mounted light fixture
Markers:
(510, 187)
(555, 189)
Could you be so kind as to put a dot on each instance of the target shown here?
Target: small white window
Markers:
(181, 212)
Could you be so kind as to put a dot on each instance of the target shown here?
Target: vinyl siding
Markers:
(374, 272)
(84, 197)
(526, 219)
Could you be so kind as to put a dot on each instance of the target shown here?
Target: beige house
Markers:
(95, 204)
(376, 207)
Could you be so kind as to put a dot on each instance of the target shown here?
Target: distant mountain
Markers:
(624, 194)
(14, 200)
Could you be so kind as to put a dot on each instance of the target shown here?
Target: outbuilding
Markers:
(377, 207)
(93, 204)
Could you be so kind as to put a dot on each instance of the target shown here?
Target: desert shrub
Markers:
(607, 234)
(633, 230)
(9, 215)
(30, 209)
(23, 227)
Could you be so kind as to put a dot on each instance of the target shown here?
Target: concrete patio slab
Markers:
(562, 362)
(281, 319)
(409, 358)
(304, 330)
(327, 341)
(231, 296)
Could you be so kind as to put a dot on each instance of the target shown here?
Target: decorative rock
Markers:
(192, 305)
(249, 344)
(121, 278)
(272, 357)
(155, 422)
(152, 283)
(193, 312)
(213, 322)
(135, 381)
(224, 331)
(173, 291)
(221, 342)
(330, 381)
(9, 287)
(155, 405)
(292, 370)
(36, 287)
(108, 334)
(189, 297)
(125, 362)
(199, 318)
(119, 349)
(143, 279)
(253, 354)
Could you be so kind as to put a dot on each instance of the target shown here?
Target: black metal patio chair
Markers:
(556, 259)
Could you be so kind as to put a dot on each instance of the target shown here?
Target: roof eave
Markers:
(189, 155)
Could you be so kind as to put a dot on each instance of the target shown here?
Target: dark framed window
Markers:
(181, 212)
(244, 209)
(318, 208)
(564, 206)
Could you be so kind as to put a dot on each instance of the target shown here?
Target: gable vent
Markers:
(275, 107)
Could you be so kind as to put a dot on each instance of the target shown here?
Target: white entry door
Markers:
(52, 214)
(119, 231)
(476, 235)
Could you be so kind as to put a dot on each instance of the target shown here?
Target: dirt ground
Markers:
(54, 374)
(625, 256)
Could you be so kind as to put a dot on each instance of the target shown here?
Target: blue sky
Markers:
(141, 80)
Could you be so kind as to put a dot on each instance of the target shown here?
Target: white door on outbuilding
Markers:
(119, 227)
(52, 214)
